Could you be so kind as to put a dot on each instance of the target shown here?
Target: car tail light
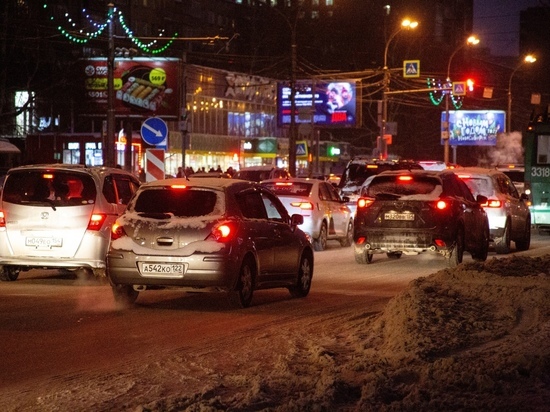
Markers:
(96, 221)
(223, 232)
(303, 205)
(117, 231)
(2, 219)
(492, 203)
(404, 179)
(363, 202)
(441, 204)
(178, 186)
(283, 183)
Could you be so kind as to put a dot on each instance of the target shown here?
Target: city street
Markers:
(56, 329)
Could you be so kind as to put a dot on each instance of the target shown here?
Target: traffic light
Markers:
(470, 84)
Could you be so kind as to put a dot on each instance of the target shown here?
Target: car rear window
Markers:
(179, 202)
(479, 185)
(46, 187)
(290, 188)
(407, 185)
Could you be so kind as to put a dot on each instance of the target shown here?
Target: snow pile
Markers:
(472, 338)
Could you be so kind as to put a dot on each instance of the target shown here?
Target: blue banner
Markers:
(474, 127)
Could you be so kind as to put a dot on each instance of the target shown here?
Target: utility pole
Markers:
(109, 143)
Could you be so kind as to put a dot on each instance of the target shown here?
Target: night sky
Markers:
(496, 22)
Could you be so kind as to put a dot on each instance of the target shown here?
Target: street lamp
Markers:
(471, 41)
(528, 59)
(382, 148)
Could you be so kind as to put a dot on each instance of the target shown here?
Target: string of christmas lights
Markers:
(97, 28)
(438, 95)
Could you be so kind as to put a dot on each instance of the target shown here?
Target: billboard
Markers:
(474, 127)
(143, 86)
(332, 103)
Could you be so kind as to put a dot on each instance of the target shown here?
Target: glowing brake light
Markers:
(302, 205)
(117, 231)
(2, 219)
(283, 184)
(441, 204)
(223, 232)
(364, 202)
(96, 221)
(494, 203)
(404, 178)
(178, 186)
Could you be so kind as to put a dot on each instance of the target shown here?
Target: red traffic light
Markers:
(470, 85)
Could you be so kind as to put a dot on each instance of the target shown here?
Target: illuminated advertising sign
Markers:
(143, 86)
(474, 127)
(331, 104)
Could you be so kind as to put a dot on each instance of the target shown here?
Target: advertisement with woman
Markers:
(332, 103)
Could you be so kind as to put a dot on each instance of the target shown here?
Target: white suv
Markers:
(59, 217)
(507, 210)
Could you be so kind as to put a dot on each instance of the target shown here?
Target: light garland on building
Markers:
(84, 36)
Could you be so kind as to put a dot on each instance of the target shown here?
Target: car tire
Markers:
(125, 295)
(8, 274)
(457, 252)
(481, 254)
(394, 255)
(348, 240)
(502, 246)
(525, 242)
(241, 297)
(320, 243)
(362, 256)
(305, 274)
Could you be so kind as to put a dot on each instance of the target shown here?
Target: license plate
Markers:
(48, 242)
(155, 269)
(399, 216)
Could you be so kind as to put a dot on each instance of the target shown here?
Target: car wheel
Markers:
(362, 256)
(457, 252)
(305, 274)
(502, 245)
(320, 243)
(525, 242)
(481, 254)
(125, 295)
(394, 255)
(8, 274)
(348, 240)
(242, 295)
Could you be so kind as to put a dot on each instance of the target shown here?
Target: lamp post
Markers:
(472, 40)
(109, 143)
(528, 59)
(382, 147)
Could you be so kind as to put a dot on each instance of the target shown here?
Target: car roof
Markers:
(211, 182)
(294, 179)
(479, 171)
(97, 170)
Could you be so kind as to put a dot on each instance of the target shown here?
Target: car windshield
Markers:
(302, 189)
(49, 187)
(179, 202)
(515, 175)
(403, 185)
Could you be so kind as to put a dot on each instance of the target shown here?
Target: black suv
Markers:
(418, 211)
(360, 168)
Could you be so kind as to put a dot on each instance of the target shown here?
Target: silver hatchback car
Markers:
(59, 216)
(208, 235)
(507, 210)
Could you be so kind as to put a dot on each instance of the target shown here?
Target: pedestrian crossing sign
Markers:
(411, 68)
(459, 88)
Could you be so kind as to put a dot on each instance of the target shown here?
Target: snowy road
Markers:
(55, 329)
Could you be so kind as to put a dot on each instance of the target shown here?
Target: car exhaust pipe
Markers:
(433, 248)
(367, 246)
(140, 288)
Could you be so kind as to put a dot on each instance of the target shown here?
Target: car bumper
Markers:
(388, 240)
(216, 271)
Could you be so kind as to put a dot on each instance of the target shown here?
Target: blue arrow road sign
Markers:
(154, 131)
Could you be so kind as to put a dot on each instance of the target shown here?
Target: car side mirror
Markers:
(524, 196)
(296, 220)
(480, 199)
(345, 199)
